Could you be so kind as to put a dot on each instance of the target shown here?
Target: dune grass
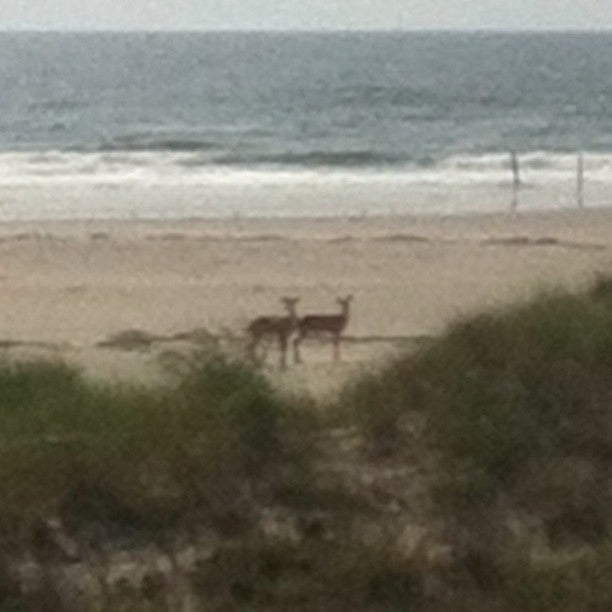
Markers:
(522, 389)
(510, 411)
(142, 458)
(515, 415)
(518, 404)
(314, 575)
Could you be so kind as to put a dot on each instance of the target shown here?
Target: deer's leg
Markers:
(296, 348)
(282, 342)
(336, 341)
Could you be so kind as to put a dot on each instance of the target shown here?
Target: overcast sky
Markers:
(304, 14)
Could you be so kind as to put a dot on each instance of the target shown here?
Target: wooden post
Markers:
(580, 181)
(516, 179)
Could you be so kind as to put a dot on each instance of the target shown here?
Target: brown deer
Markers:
(319, 324)
(273, 325)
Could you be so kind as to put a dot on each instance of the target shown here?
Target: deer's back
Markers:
(331, 323)
(263, 325)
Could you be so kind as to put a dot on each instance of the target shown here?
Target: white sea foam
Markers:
(175, 169)
(62, 185)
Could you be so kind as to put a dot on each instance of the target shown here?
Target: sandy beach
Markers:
(68, 287)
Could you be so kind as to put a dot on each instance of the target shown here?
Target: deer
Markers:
(274, 325)
(318, 324)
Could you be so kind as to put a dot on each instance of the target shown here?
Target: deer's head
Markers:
(289, 303)
(344, 302)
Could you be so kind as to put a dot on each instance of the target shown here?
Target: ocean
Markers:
(266, 124)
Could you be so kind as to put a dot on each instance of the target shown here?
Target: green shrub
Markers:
(375, 402)
(513, 402)
(136, 458)
(510, 393)
(314, 575)
(564, 585)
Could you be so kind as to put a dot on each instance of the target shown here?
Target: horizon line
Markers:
(475, 30)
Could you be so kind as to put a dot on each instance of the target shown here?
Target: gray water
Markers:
(191, 109)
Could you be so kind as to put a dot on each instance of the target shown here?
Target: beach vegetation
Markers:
(142, 458)
(511, 412)
(506, 419)
(312, 575)
(522, 390)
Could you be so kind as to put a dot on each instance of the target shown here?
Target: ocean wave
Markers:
(348, 158)
(537, 161)
(152, 143)
(184, 139)
(152, 167)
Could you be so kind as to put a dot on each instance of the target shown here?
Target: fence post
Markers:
(516, 179)
(580, 181)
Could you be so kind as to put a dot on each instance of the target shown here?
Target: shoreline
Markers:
(323, 198)
(568, 223)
